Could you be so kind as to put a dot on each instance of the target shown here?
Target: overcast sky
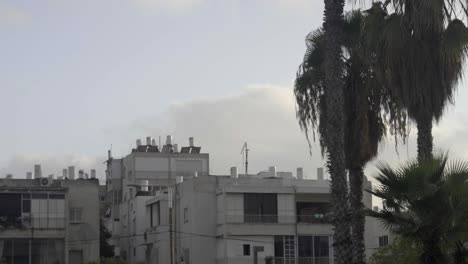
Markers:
(79, 76)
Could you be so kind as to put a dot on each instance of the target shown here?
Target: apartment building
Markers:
(237, 218)
(135, 178)
(49, 221)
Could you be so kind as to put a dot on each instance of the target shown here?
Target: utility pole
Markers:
(171, 232)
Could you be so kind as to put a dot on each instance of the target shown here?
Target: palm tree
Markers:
(427, 202)
(333, 138)
(365, 103)
(423, 49)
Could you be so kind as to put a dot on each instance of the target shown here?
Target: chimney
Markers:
(109, 155)
(175, 148)
(93, 174)
(37, 171)
(179, 179)
(319, 173)
(144, 185)
(272, 171)
(191, 142)
(138, 142)
(148, 141)
(300, 173)
(234, 173)
(9, 176)
(64, 173)
(29, 175)
(169, 140)
(71, 172)
(153, 142)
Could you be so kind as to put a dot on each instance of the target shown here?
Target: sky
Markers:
(80, 77)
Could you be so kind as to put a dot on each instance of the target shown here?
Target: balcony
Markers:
(280, 219)
(300, 260)
(15, 222)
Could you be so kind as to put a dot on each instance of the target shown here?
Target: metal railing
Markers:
(282, 219)
(299, 260)
(15, 222)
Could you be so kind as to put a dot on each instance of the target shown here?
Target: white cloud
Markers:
(12, 16)
(168, 6)
(262, 115)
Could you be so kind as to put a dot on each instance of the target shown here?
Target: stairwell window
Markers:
(75, 215)
(383, 241)
(246, 249)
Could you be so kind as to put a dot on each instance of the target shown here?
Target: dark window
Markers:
(56, 196)
(305, 246)
(39, 195)
(279, 246)
(321, 247)
(151, 216)
(10, 206)
(308, 212)
(246, 249)
(383, 241)
(260, 207)
(26, 206)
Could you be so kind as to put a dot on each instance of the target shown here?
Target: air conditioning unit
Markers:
(45, 181)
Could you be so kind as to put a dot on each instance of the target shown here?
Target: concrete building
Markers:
(227, 219)
(135, 178)
(48, 221)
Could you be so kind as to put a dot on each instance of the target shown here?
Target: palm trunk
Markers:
(356, 179)
(334, 136)
(424, 125)
(432, 253)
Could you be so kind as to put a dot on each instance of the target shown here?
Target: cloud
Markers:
(261, 115)
(12, 16)
(168, 6)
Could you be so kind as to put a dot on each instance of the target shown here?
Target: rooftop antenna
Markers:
(245, 150)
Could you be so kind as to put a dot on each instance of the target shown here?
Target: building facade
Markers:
(136, 178)
(235, 219)
(47, 221)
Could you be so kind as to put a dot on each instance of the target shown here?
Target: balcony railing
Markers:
(15, 222)
(300, 260)
(275, 260)
(283, 219)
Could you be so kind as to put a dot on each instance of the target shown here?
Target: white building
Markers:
(225, 219)
(135, 178)
(49, 221)
(165, 206)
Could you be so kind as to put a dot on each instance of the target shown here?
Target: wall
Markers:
(83, 236)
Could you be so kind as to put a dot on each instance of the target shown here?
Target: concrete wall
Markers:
(83, 236)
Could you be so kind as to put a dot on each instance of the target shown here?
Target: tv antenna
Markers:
(245, 150)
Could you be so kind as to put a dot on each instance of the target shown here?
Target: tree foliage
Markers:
(400, 251)
(425, 202)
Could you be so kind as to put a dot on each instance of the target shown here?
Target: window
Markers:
(310, 212)
(246, 249)
(383, 241)
(186, 215)
(75, 215)
(260, 207)
(315, 247)
(155, 215)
